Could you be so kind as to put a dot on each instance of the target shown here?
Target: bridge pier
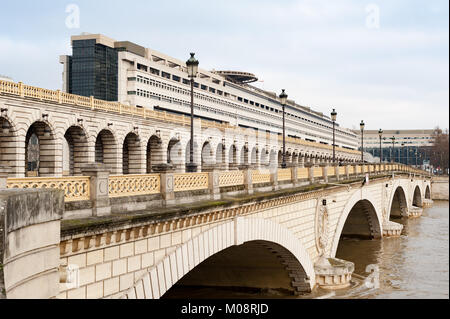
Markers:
(333, 273)
(427, 202)
(415, 212)
(391, 229)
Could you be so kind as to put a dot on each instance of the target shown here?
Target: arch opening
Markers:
(417, 198)
(131, 154)
(106, 149)
(362, 222)
(399, 206)
(207, 157)
(427, 193)
(232, 156)
(154, 153)
(175, 154)
(40, 150)
(7, 149)
(75, 150)
(255, 266)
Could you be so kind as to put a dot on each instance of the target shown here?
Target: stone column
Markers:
(4, 173)
(99, 187)
(213, 184)
(325, 173)
(167, 187)
(294, 176)
(311, 174)
(347, 171)
(336, 171)
(248, 181)
(274, 179)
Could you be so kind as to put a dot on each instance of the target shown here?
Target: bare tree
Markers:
(440, 150)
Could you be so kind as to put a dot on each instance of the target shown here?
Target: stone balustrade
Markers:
(98, 187)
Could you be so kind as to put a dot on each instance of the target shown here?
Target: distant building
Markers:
(134, 75)
(410, 146)
(5, 78)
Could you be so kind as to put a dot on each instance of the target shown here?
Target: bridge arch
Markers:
(237, 232)
(175, 154)
(427, 192)
(360, 217)
(398, 204)
(417, 197)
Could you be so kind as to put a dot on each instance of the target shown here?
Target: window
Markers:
(204, 87)
(154, 71)
(142, 67)
(165, 75)
(176, 78)
(186, 81)
(219, 92)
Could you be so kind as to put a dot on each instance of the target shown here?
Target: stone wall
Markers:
(30, 242)
(440, 188)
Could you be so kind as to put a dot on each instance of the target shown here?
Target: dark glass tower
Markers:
(93, 70)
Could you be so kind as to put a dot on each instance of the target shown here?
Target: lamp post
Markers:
(333, 118)
(393, 149)
(283, 99)
(192, 69)
(380, 134)
(362, 125)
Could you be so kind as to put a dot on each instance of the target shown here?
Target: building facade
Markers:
(149, 79)
(412, 147)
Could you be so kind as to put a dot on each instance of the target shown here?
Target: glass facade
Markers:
(94, 70)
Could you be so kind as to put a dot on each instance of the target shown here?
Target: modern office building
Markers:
(408, 147)
(134, 75)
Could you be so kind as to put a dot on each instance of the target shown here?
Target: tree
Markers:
(440, 150)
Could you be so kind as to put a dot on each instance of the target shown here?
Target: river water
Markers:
(415, 265)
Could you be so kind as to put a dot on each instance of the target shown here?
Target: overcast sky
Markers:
(384, 62)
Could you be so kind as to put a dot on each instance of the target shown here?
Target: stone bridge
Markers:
(280, 237)
(99, 205)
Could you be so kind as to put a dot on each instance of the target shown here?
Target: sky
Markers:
(384, 62)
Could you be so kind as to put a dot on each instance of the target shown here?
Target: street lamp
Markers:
(192, 69)
(283, 99)
(362, 125)
(380, 134)
(333, 118)
(393, 149)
